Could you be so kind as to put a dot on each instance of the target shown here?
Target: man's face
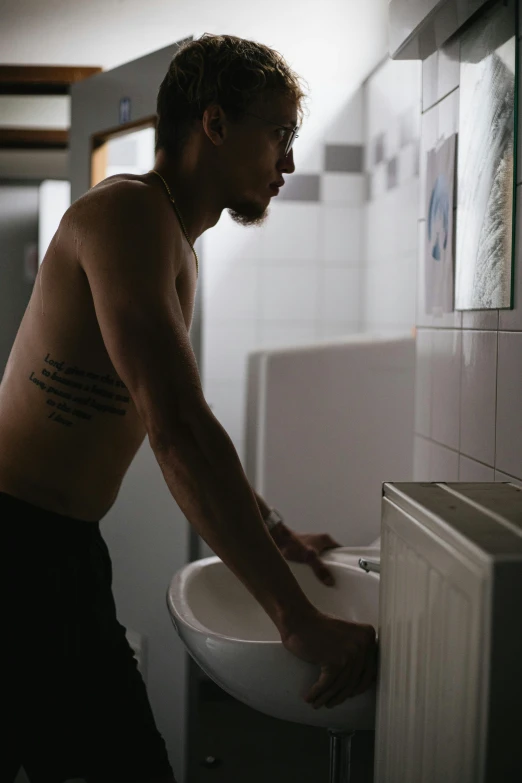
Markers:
(255, 158)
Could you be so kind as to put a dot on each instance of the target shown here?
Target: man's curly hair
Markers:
(221, 69)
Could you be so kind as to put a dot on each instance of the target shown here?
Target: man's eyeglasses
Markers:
(290, 133)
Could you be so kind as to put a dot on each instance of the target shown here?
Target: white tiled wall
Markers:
(509, 404)
(345, 189)
(390, 219)
(295, 279)
(468, 415)
(445, 386)
(478, 362)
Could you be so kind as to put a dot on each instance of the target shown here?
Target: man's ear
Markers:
(215, 124)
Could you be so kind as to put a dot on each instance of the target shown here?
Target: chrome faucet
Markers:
(370, 565)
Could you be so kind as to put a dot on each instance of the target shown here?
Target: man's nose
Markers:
(286, 163)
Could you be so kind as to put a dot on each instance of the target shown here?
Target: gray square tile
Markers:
(344, 157)
(391, 174)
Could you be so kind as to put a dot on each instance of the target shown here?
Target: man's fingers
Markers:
(347, 679)
(321, 571)
(310, 556)
(326, 678)
(367, 677)
(328, 542)
(324, 541)
(316, 564)
(352, 680)
(343, 684)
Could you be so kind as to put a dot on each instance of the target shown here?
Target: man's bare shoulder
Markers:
(118, 197)
(120, 212)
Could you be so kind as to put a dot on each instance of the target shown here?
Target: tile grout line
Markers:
(496, 404)
(458, 453)
(433, 105)
(460, 399)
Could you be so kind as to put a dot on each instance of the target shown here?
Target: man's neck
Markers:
(193, 194)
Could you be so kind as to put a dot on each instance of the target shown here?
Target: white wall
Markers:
(343, 34)
(41, 111)
(392, 114)
(54, 199)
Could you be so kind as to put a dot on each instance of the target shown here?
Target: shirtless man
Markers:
(102, 359)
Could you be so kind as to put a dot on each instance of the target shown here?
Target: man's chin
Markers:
(249, 214)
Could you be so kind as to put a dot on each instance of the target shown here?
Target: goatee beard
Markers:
(249, 217)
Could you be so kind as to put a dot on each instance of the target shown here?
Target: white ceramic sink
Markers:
(234, 641)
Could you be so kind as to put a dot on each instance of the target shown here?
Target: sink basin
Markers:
(238, 646)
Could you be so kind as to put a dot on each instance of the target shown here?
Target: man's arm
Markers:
(279, 531)
(264, 509)
(127, 255)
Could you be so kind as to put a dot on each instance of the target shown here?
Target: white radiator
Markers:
(449, 706)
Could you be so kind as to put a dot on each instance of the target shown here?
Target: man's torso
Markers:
(68, 427)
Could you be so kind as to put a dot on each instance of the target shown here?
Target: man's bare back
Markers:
(68, 426)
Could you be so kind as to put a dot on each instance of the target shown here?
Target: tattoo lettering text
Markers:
(79, 393)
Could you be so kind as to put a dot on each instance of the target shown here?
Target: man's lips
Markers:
(276, 185)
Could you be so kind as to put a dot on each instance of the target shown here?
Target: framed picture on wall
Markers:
(438, 256)
(486, 182)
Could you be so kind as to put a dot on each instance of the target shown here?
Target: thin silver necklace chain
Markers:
(153, 171)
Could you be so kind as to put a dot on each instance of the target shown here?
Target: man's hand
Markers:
(305, 548)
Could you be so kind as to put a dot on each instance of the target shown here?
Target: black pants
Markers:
(73, 701)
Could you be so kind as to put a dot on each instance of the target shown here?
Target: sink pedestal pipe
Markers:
(341, 741)
(340, 755)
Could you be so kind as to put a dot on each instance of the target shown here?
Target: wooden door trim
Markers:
(100, 137)
(29, 138)
(99, 141)
(42, 79)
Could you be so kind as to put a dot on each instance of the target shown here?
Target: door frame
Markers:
(99, 143)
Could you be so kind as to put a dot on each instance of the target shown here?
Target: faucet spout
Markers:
(370, 565)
